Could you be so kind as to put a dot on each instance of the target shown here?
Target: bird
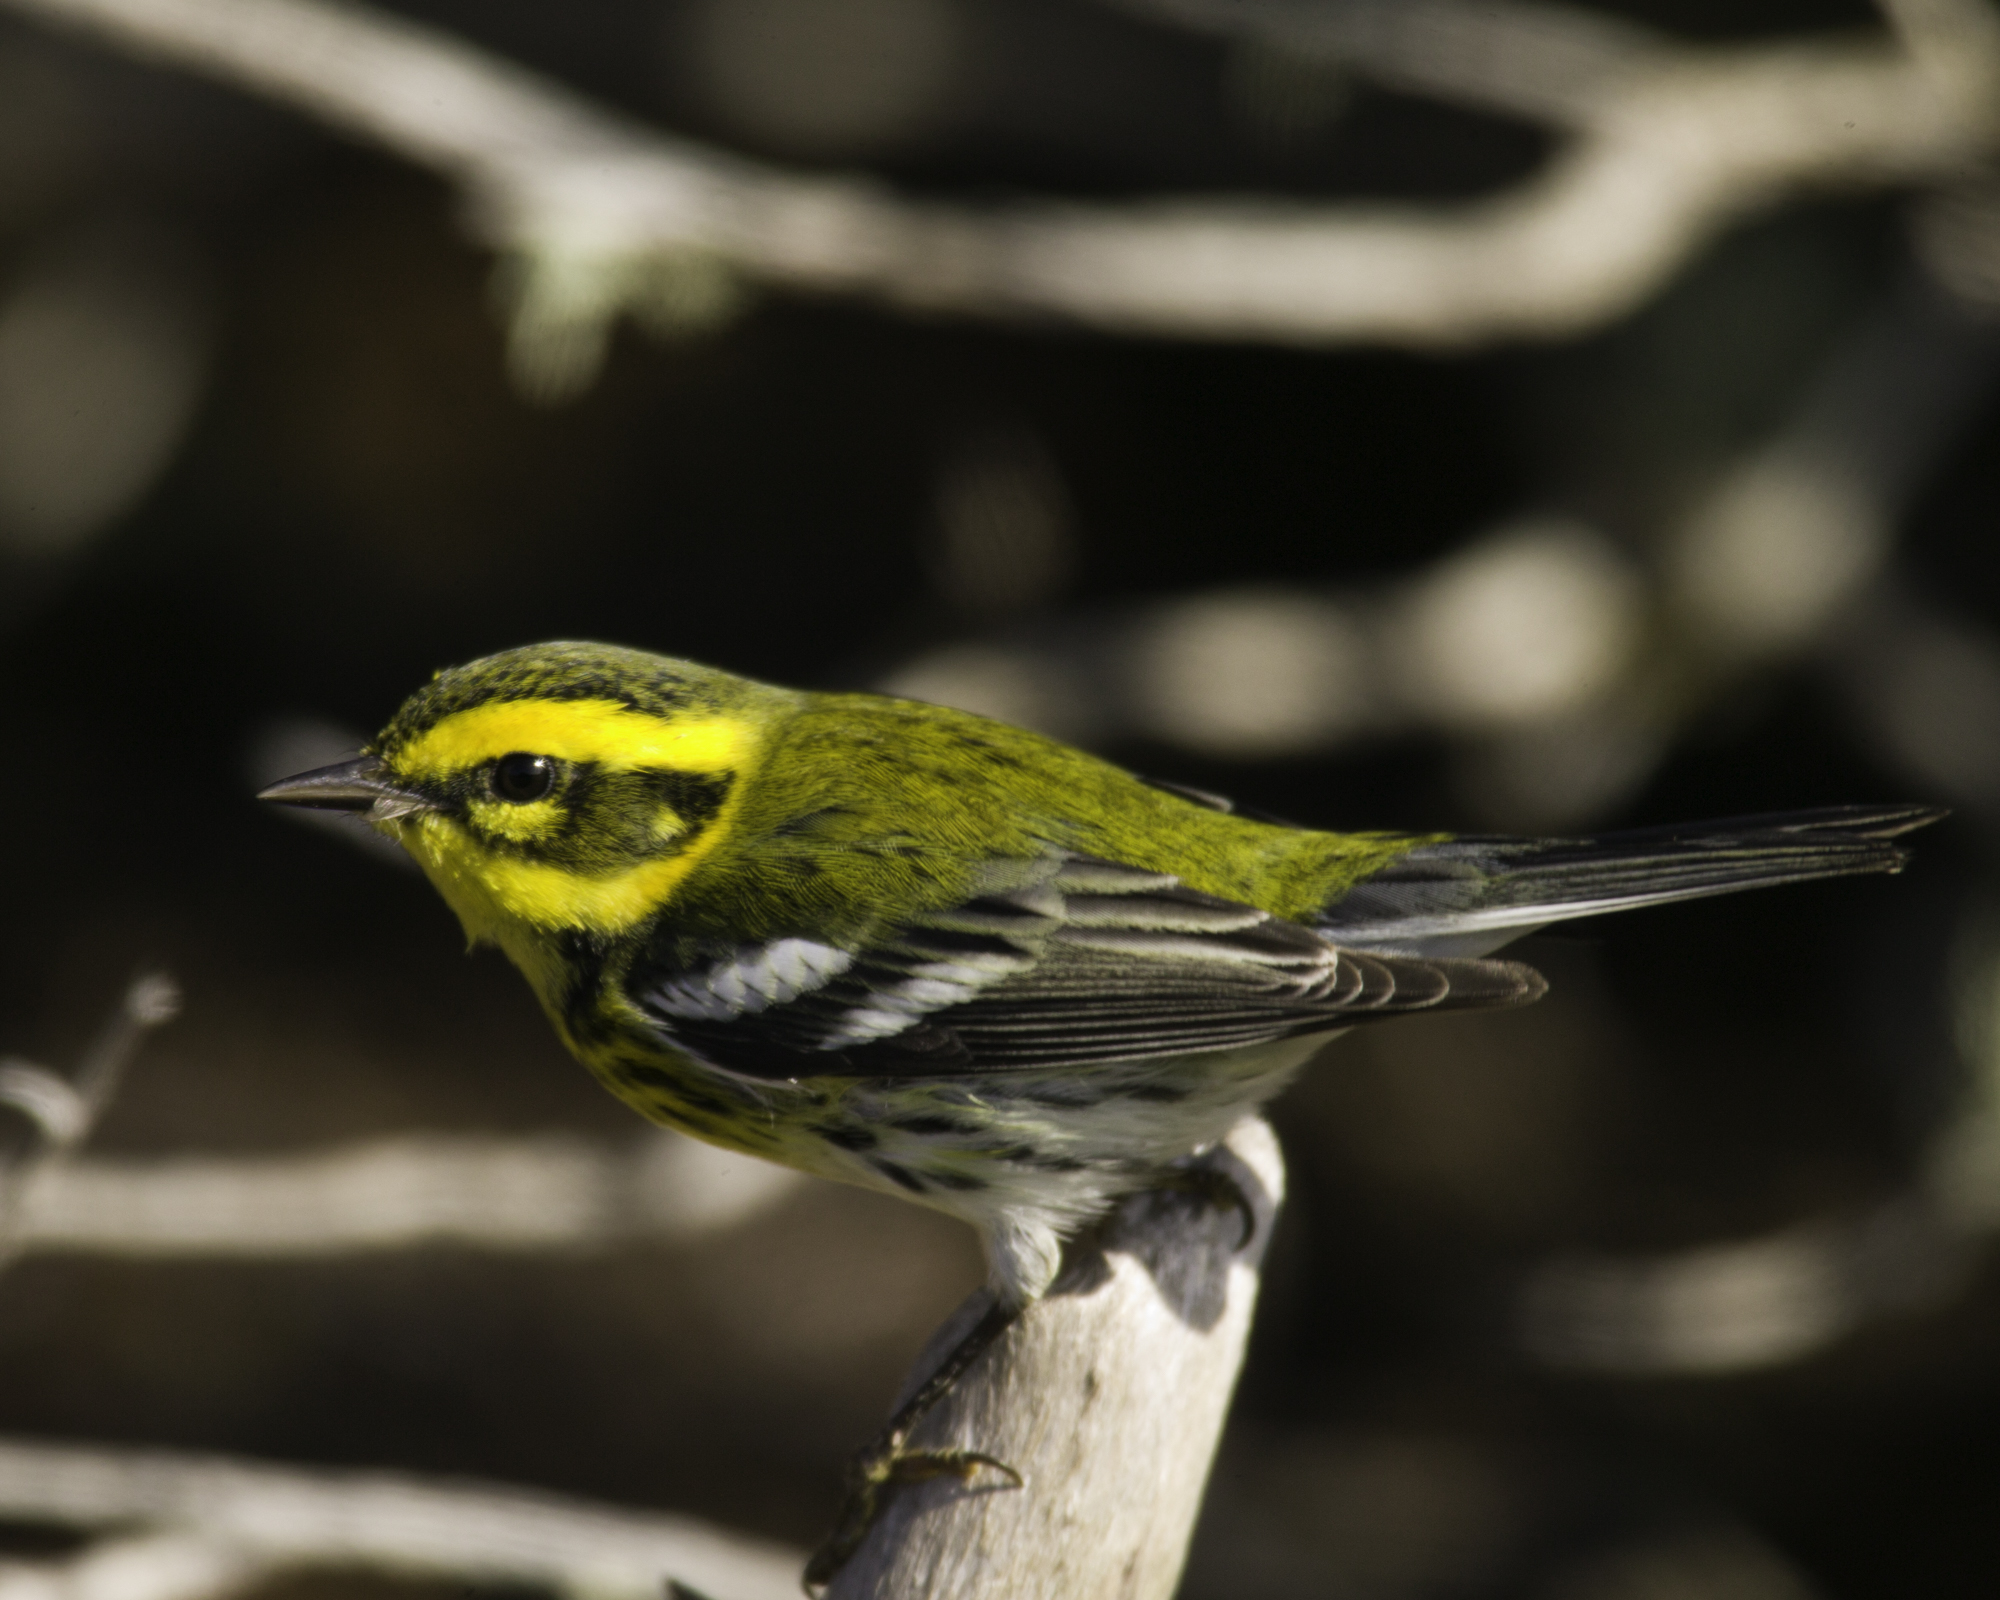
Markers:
(911, 948)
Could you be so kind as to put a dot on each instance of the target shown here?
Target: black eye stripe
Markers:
(695, 796)
(601, 818)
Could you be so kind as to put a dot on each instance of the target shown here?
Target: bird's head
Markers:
(558, 787)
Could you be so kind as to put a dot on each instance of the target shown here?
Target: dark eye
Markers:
(520, 778)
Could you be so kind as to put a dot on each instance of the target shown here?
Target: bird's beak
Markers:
(356, 785)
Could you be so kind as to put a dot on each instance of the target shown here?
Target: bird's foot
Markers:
(871, 1475)
(888, 1460)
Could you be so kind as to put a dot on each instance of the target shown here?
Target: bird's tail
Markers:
(1470, 895)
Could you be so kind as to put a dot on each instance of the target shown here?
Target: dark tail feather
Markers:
(1470, 895)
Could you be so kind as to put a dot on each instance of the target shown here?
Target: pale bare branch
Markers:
(526, 1194)
(242, 1518)
(1742, 1304)
(153, 1566)
(608, 215)
(61, 1110)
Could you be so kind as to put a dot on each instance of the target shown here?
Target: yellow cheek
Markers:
(550, 897)
(458, 870)
(500, 899)
(519, 823)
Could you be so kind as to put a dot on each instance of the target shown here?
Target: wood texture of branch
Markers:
(210, 1524)
(1108, 1398)
(1687, 141)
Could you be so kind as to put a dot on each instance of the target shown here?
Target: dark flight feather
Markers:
(1095, 963)
(1468, 895)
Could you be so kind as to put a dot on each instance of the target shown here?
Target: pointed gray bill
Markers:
(355, 785)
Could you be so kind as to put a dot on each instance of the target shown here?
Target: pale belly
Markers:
(1025, 1157)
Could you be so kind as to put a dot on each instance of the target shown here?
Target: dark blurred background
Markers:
(1672, 1286)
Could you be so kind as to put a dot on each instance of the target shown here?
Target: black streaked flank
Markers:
(897, 1174)
(1026, 1155)
(930, 1125)
(686, 1089)
(701, 1099)
(584, 955)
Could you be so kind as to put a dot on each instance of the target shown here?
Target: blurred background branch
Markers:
(601, 216)
(1564, 659)
(214, 1527)
(551, 1193)
(57, 1112)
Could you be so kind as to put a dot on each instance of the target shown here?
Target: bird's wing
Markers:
(1078, 961)
(1467, 896)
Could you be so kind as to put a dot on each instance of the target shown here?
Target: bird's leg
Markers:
(1218, 1189)
(887, 1459)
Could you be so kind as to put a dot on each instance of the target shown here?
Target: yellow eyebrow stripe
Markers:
(604, 731)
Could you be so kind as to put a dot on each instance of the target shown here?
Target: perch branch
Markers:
(606, 214)
(1108, 1398)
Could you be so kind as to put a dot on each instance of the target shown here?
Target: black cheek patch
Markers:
(695, 796)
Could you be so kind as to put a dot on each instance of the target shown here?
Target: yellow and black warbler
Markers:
(910, 948)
